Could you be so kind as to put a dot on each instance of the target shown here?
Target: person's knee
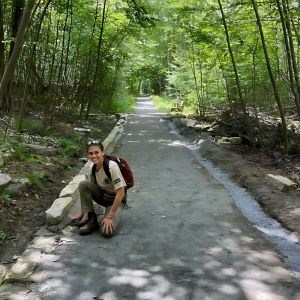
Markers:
(84, 186)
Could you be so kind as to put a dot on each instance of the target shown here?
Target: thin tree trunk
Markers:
(237, 79)
(97, 61)
(16, 16)
(202, 90)
(12, 62)
(30, 62)
(196, 81)
(291, 47)
(1, 40)
(60, 69)
(295, 27)
(289, 58)
(269, 67)
(52, 67)
(227, 90)
(88, 68)
(47, 53)
(69, 39)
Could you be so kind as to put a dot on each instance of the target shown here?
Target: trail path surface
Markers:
(182, 237)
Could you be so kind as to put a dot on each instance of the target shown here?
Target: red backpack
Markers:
(124, 168)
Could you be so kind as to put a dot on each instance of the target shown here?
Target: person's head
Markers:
(95, 151)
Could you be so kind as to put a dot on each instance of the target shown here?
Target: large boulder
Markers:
(19, 186)
(41, 150)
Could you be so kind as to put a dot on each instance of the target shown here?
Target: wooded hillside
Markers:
(83, 56)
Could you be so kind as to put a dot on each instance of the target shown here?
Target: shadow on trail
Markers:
(172, 279)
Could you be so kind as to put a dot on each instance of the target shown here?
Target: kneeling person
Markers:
(99, 188)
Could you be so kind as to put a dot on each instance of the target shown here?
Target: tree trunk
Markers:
(237, 79)
(12, 62)
(60, 82)
(88, 68)
(199, 100)
(69, 38)
(30, 65)
(1, 40)
(274, 86)
(16, 15)
(91, 95)
(289, 58)
(291, 48)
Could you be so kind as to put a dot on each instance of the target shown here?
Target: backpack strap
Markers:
(106, 167)
(94, 173)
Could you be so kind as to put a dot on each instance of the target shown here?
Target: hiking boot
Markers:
(90, 225)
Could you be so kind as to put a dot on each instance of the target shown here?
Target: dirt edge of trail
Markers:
(251, 175)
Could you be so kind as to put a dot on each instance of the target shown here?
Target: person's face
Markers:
(95, 154)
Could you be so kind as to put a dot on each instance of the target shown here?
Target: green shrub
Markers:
(19, 152)
(70, 148)
(3, 235)
(166, 103)
(120, 104)
(5, 194)
(36, 179)
(16, 146)
(163, 103)
(28, 124)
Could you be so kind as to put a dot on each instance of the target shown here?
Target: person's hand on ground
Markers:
(107, 226)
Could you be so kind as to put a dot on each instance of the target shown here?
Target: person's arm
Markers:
(120, 193)
(108, 226)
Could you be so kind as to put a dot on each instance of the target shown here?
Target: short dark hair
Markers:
(95, 143)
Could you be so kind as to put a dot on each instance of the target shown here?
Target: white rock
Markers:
(58, 210)
(82, 130)
(3, 270)
(77, 179)
(235, 140)
(19, 186)
(43, 242)
(69, 190)
(24, 266)
(13, 292)
(282, 183)
(225, 144)
(4, 179)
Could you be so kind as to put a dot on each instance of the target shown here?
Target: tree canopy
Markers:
(81, 55)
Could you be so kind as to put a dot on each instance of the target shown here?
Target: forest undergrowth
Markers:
(23, 211)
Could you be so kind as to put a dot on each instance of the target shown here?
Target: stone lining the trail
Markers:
(282, 183)
(3, 270)
(70, 195)
(58, 210)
